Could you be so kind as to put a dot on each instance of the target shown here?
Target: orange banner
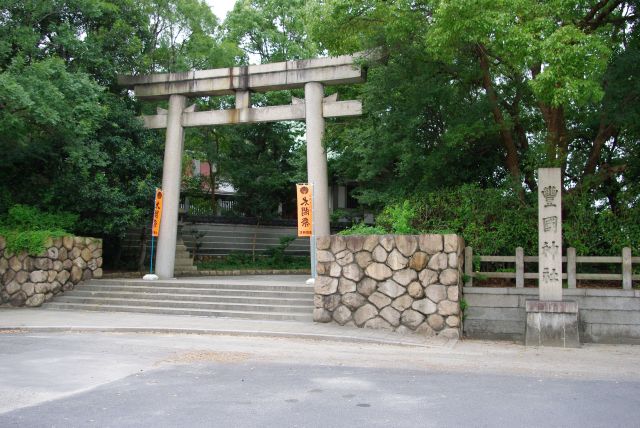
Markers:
(157, 213)
(305, 209)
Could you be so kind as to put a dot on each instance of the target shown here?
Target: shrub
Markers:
(398, 218)
(363, 229)
(27, 228)
(24, 217)
(493, 221)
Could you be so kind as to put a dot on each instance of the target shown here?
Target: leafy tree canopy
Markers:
(70, 139)
(507, 86)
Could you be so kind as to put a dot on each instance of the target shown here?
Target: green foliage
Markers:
(23, 217)
(274, 30)
(339, 213)
(493, 221)
(363, 229)
(484, 92)
(598, 230)
(69, 135)
(463, 307)
(276, 254)
(28, 229)
(257, 163)
(395, 218)
(464, 101)
(398, 218)
(33, 242)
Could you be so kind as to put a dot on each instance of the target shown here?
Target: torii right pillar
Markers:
(317, 157)
(551, 321)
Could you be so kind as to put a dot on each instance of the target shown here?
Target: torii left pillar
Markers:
(171, 177)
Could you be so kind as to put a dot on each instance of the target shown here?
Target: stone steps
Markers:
(269, 316)
(219, 292)
(183, 260)
(182, 297)
(231, 298)
(208, 284)
(178, 302)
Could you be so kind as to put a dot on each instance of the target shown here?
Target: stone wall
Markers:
(395, 282)
(604, 315)
(32, 280)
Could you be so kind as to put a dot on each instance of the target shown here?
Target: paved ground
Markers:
(127, 379)
(43, 320)
(79, 369)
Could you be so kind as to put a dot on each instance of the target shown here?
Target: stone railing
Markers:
(27, 280)
(395, 282)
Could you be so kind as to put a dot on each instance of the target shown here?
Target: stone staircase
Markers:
(238, 298)
(184, 262)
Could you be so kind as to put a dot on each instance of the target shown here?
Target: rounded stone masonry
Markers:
(391, 282)
(31, 280)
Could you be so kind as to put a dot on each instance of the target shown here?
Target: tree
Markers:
(544, 79)
(69, 134)
(259, 160)
(271, 30)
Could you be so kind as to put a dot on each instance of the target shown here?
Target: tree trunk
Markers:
(143, 249)
(557, 141)
(604, 133)
(512, 161)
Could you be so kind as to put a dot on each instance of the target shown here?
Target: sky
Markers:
(221, 7)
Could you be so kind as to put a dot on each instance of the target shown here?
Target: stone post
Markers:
(627, 270)
(550, 234)
(519, 267)
(571, 267)
(550, 320)
(171, 178)
(317, 157)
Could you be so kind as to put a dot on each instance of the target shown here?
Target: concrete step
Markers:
(272, 316)
(173, 296)
(238, 284)
(212, 306)
(252, 298)
(221, 292)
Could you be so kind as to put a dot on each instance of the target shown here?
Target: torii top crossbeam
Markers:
(312, 74)
(255, 78)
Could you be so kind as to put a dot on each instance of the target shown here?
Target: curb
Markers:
(220, 332)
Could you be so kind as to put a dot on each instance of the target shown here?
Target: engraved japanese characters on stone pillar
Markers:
(550, 234)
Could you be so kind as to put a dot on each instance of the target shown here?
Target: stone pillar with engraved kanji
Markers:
(551, 321)
(550, 234)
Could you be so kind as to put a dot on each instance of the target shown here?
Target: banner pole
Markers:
(151, 261)
(155, 226)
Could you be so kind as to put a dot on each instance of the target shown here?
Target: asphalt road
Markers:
(103, 380)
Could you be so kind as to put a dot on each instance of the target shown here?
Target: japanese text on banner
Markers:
(305, 209)
(157, 213)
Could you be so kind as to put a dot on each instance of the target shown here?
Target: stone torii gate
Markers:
(311, 74)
